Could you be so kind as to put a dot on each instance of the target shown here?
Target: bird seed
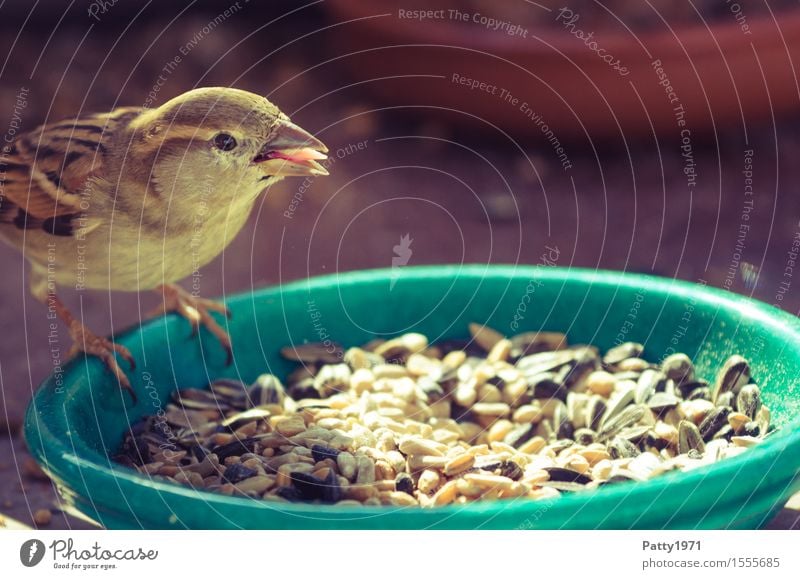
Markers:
(406, 423)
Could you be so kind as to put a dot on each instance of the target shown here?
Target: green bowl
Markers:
(77, 418)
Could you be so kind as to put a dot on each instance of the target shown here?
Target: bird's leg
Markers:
(86, 341)
(197, 310)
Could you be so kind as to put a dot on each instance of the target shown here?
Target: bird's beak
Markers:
(292, 151)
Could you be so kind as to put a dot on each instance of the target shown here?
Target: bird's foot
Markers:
(198, 311)
(103, 348)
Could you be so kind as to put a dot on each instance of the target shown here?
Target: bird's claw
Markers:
(197, 311)
(104, 349)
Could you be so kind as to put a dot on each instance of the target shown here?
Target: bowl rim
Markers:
(59, 461)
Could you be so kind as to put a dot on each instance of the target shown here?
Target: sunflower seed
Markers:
(621, 448)
(748, 401)
(715, 420)
(678, 367)
(689, 438)
(622, 352)
(404, 423)
(734, 374)
(267, 389)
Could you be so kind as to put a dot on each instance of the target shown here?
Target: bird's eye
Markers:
(224, 142)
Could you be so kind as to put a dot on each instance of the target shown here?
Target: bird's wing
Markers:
(45, 174)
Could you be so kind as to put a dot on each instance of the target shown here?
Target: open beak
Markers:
(292, 151)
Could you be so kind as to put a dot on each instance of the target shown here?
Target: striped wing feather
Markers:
(44, 173)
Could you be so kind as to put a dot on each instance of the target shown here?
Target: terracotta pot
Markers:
(719, 74)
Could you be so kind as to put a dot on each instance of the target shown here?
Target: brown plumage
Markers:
(137, 199)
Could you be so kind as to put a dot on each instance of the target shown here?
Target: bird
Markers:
(138, 198)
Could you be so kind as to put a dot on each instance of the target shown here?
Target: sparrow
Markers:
(139, 198)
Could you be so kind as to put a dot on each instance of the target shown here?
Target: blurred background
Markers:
(590, 134)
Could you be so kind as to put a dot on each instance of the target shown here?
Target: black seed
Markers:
(751, 428)
(320, 452)
(585, 363)
(303, 389)
(404, 483)
(585, 436)
(559, 474)
(715, 420)
(520, 435)
(238, 472)
(332, 491)
(289, 493)
(235, 448)
(137, 450)
(654, 441)
(199, 452)
(482, 464)
(308, 486)
(545, 386)
(617, 479)
(595, 412)
(510, 469)
(565, 430)
(701, 393)
(687, 388)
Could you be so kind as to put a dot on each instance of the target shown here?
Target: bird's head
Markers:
(231, 141)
